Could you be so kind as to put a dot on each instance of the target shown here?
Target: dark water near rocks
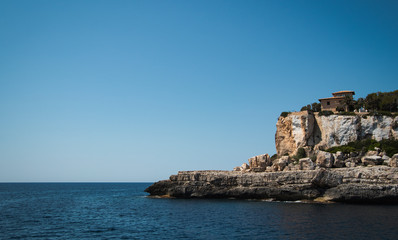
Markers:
(122, 211)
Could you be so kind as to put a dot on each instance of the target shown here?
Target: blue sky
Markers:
(137, 90)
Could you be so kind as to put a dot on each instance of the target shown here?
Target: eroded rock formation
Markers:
(259, 163)
(302, 129)
(351, 177)
(358, 184)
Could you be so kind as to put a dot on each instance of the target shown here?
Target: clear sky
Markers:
(137, 90)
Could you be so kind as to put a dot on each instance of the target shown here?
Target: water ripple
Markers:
(122, 211)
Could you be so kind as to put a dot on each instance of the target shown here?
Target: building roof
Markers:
(339, 95)
(345, 91)
(331, 98)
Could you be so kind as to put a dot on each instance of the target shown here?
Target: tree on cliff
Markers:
(389, 101)
(359, 103)
(315, 107)
(372, 101)
(382, 101)
(348, 103)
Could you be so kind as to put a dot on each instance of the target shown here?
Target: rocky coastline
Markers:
(375, 184)
(302, 169)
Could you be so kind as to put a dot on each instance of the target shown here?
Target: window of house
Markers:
(327, 103)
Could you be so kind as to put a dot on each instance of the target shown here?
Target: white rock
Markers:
(260, 162)
(372, 160)
(301, 129)
(350, 164)
(237, 169)
(281, 163)
(245, 167)
(324, 159)
(394, 161)
(306, 164)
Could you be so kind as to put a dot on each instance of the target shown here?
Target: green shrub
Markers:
(273, 157)
(314, 107)
(388, 145)
(325, 113)
(344, 149)
(284, 114)
(301, 153)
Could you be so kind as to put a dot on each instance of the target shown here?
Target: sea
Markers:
(124, 211)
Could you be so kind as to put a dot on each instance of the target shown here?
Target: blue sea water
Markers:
(123, 211)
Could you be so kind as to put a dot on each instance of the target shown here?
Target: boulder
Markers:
(295, 167)
(372, 160)
(355, 160)
(260, 162)
(350, 164)
(292, 167)
(339, 155)
(382, 154)
(237, 169)
(372, 153)
(338, 163)
(324, 159)
(245, 167)
(281, 163)
(394, 161)
(306, 164)
(338, 160)
(386, 160)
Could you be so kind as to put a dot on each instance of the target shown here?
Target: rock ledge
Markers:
(372, 184)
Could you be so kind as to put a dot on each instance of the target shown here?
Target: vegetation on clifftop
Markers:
(314, 107)
(284, 114)
(390, 146)
(325, 113)
(380, 102)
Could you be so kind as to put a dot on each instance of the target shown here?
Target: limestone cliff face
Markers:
(301, 129)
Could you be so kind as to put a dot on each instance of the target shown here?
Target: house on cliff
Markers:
(332, 103)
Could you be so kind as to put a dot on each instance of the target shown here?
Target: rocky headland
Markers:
(302, 169)
(357, 184)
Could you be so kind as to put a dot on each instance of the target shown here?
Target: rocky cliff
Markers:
(303, 129)
(357, 184)
(370, 176)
